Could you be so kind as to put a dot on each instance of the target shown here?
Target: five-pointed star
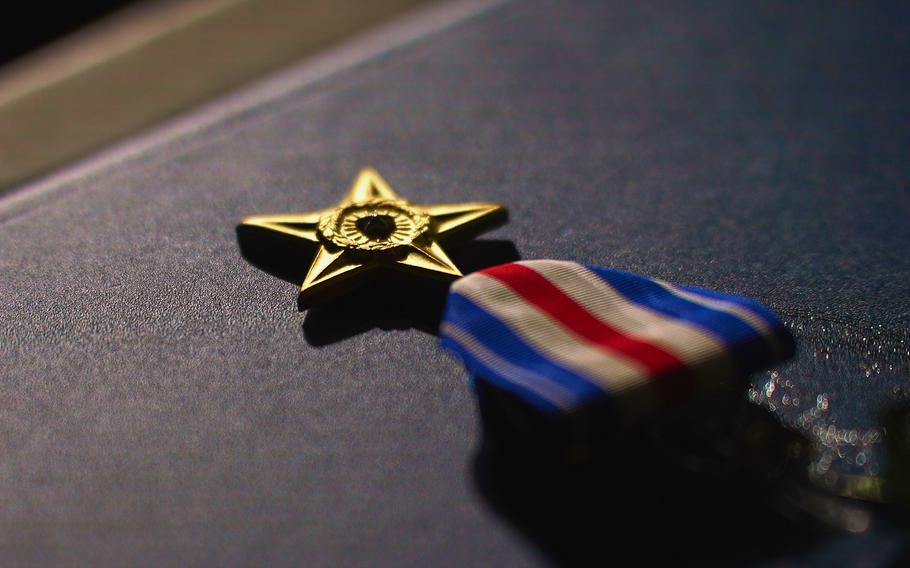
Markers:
(334, 264)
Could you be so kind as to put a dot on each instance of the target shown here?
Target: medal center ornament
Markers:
(373, 227)
(377, 227)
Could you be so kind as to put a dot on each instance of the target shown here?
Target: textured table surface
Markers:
(163, 403)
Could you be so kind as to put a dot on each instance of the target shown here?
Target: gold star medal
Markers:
(374, 228)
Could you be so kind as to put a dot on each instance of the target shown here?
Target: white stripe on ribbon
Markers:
(540, 385)
(701, 351)
(613, 370)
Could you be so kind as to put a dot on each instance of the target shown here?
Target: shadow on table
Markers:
(390, 301)
(387, 300)
(716, 483)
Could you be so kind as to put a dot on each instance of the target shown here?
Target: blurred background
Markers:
(39, 23)
(75, 77)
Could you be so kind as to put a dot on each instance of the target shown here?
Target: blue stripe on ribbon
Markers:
(770, 318)
(480, 372)
(499, 339)
(748, 347)
(784, 340)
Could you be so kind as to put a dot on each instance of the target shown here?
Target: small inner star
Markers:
(376, 226)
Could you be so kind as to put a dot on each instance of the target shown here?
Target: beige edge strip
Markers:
(137, 68)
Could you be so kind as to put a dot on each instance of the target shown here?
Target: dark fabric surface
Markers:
(163, 403)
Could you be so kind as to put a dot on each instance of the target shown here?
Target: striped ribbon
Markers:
(562, 335)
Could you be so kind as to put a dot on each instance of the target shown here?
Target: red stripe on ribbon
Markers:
(539, 291)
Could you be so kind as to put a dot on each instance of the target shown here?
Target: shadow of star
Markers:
(416, 305)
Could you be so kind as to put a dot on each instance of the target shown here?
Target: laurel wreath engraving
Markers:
(339, 226)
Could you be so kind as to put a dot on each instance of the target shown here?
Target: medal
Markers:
(561, 337)
(561, 355)
(373, 229)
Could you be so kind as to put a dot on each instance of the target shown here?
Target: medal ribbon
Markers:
(562, 335)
